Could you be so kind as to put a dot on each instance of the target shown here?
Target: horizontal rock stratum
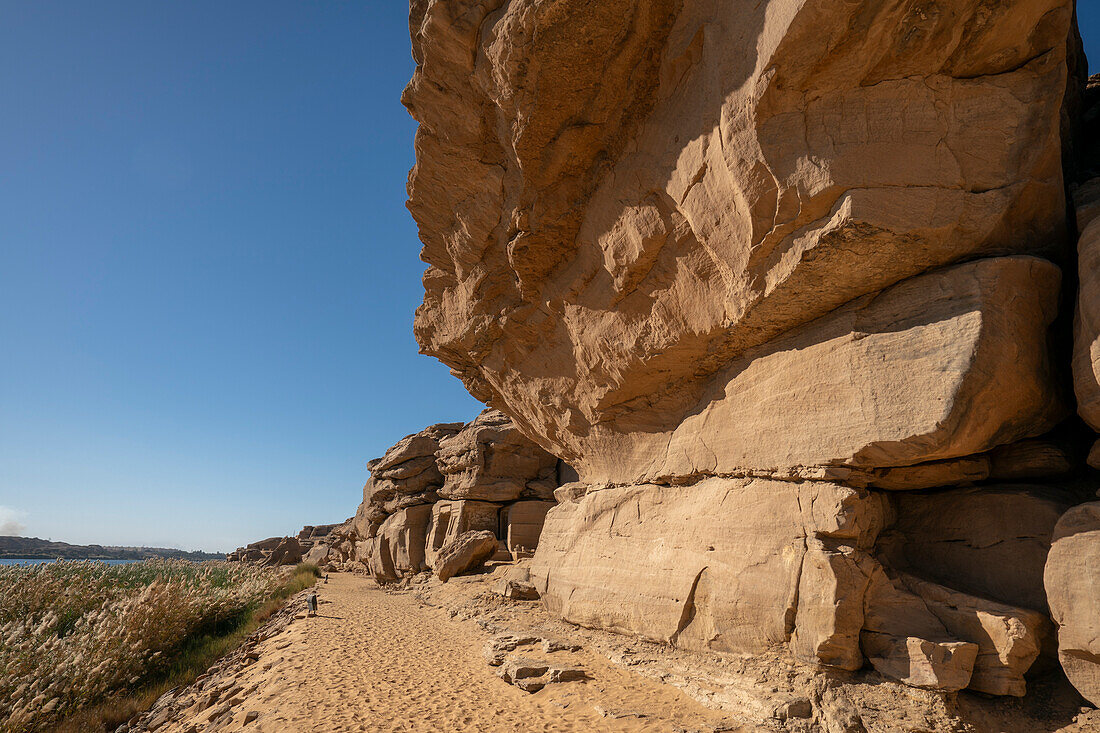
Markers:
(784, 287)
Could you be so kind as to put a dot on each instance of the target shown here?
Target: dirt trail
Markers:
(373, 661)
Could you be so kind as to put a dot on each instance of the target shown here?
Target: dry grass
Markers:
(84, 646)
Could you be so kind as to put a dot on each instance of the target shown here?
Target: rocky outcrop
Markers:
(450, 519)
(786, 293)
(397, 549)
(490, 460)
(1073, 586)
(435, 486)
(766, 563)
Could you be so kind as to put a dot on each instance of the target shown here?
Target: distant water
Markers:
(22, 561)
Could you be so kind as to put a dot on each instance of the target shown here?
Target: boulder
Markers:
(919, 662)
(904, 640)
(1009, 639)
(521, 524)
(1072, 580)
(468, 551)
(531, 675)
(491, 460)
(656, 239)
(989, 541)
(451, 519)
(514, 582)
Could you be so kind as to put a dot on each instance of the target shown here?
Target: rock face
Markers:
(783, 291)
(990, 541)
(453, 518)
(521, 524)
(492, 461)
(1073, 587)
(433, 487)
(647, 195)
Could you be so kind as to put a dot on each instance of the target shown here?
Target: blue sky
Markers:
(207, 273)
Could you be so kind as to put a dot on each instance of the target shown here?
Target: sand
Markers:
(377, 661)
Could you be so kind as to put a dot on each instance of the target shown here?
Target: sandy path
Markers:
(374, 661)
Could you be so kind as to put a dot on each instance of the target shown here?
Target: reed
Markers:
(80, 635)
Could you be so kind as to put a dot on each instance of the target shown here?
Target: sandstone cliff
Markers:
(784, 282)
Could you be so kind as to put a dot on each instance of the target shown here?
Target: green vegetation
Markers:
(85, 646)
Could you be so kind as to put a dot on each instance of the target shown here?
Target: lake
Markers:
(23, 561)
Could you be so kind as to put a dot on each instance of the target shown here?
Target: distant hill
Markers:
(33, 548)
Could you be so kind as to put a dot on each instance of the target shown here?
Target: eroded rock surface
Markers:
(990, 541)
(466, 552)
(1073, 587)
(489, 459)
(619, 201)
(783, 291)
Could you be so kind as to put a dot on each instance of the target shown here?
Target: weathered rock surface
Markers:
(287, 552)
(1086, 355)
(406, 476)
(620, 201)
(759, 283)
(1009, 639)
(404, 523)
(989, 541)
(491, 460)
(310, 545)
(521, 525)
(451, 519)
(729, 564)
(466, 552)
(1073, 588)
(398, 547)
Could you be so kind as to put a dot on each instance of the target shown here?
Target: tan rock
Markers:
(318, 554)
(989, 541)
(398, 548)
(491, 460)
(406, 476)
(287, 552)
(733, 576)
(904, 640)
(1086, 327)
(521, 525)
(924, 475)
(620, 201)
(839, 390)
(1009, 639)
(922, 663)
(451, 519)
(1073, 588)
(1029, 460)
(468, 551)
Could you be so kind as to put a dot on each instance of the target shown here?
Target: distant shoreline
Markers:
(33, 548)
